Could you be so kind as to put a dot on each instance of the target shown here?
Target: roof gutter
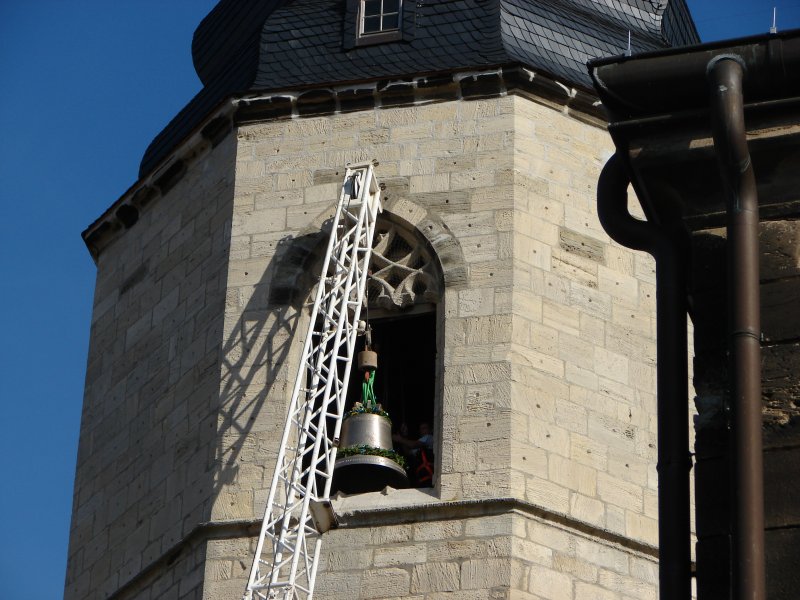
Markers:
(674, 80)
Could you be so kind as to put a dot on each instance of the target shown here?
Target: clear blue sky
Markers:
(84, 87)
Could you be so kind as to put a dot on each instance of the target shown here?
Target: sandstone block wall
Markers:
(144, 477)
(546, 328)
(583, 351)
(459, 554)
(446, 165)
(544, 410)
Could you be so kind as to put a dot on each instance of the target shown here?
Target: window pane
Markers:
(372, 24)
(391, 6)
(372, 7)
(390, 22)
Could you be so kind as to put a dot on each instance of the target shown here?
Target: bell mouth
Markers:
(366, 473)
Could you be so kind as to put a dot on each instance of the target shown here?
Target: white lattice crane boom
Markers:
(287, 554)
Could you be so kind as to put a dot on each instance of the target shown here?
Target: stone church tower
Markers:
(509, 321)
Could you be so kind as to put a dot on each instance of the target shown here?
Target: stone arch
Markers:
(404, 270)
(435, 231)
(442, 259)
(415, 261)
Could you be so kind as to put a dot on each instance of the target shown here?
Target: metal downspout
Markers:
(725, 75)
(674, 462)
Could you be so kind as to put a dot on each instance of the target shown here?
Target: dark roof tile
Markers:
(276, 44)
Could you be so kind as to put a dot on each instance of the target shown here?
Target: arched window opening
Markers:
(401, 311)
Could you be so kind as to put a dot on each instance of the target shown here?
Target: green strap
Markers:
(367, 391)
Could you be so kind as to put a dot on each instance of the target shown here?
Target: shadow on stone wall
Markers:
(257, 376)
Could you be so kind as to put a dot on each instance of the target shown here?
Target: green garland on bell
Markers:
(365, 450)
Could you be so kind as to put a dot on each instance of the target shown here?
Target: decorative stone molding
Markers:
(414, 259)
(403, 91)
(427, 224)
(403, 271)
(125, 212)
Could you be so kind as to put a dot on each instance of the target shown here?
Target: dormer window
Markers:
(379, 17)
(369, 22)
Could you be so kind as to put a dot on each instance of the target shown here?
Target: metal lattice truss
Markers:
(287, 554)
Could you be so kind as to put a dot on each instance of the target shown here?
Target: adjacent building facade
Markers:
(538, 331)
(665, 120)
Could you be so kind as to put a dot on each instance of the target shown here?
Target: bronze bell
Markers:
(361, 473)
(364, 472)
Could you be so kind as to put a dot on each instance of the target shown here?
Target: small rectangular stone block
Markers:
(385, 583)
(435, 577)
(399, 555)
(485, 573)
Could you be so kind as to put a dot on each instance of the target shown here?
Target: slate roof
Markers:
(250, 45)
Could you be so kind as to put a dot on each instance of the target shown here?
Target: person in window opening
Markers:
(411, 447)
(419, 453)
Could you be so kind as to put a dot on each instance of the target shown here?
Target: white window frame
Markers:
(382, 35)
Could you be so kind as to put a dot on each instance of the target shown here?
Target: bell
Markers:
(368, 429)
(365, 472)
(372, 469)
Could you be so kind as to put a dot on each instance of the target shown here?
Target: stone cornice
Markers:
(341, 99)
(433, 510)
